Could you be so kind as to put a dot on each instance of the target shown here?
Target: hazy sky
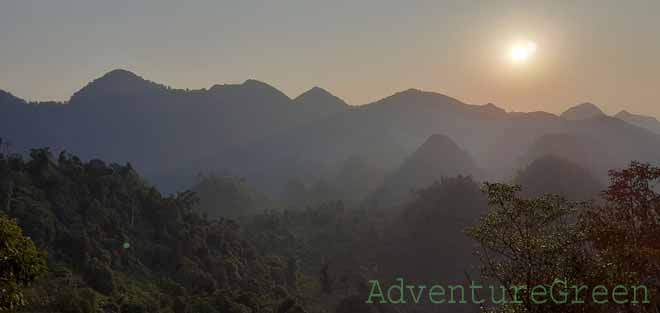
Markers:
(606, 52)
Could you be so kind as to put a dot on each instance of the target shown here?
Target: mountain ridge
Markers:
(648, 122)
(124, 76)
(260, 133)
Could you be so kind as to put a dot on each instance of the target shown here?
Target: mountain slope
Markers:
(550, 174)
(124, 117)
(115, 244)
(643, 121)
(438, 157)
(320, 101)
(598, 144)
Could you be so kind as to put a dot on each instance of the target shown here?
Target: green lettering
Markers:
(646, 294)
(376, 285)
(419, 294)
(433, 293)
(577, 288)
(616, 293)
(516, 289)
(540, 291)
(595, 293)
(398, 287)
(451, 295)
(563, 293)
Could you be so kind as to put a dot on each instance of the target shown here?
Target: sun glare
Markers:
(522, 51)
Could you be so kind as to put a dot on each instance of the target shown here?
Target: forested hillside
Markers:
(115, 244)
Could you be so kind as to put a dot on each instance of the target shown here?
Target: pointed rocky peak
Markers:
(439, 156)
(321, 99)
(314, 93)
(440, 151)
(435, 146)
(582, 112)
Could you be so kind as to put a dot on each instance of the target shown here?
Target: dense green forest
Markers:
(113, 243)
(116, 244)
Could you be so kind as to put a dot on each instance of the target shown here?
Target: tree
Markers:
(20, 263)
(528, 241)
(625, 229)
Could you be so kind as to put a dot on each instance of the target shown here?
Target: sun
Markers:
(522, 51)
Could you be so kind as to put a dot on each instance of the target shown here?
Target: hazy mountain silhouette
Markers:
(255, 131)
(319, 101)
(384, 132)
(550, 174)
(123, 117)
(582, 112)
(117, 83)
(388, 130)
(598, 144)
(648, 122)
(438, 157)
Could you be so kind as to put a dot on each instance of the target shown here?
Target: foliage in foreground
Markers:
(20, 263)
(534, 241)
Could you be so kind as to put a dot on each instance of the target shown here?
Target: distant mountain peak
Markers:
(319, 99)
(648, 122)
(315, 92)
(264, 89)
(491, 108)
(439, 156)
(120, 74)
(117, 82)
(410, 92)
(437, 144)
(256, 83)
(417, 95)
(623, 114)
(319, 94)
(582, 111)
